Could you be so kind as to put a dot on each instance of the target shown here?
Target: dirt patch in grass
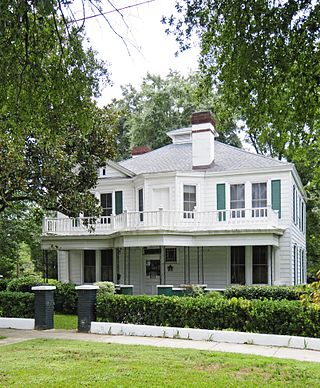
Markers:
(244, 372)
(210, 367)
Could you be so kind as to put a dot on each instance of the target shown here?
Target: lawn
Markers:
(66, 322)
(62, 363)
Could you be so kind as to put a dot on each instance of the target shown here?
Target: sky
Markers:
(148, 48)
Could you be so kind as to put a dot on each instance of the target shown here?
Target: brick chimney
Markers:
(203, 134)
(140, 150)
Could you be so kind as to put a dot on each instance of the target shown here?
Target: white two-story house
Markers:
(196, 211)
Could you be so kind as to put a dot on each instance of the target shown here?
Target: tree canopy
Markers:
(265, 58)
(52, 136)
(165, 103)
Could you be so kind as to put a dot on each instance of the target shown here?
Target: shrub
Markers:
(260, 316)
(65, 297)
(213, 294)
(312, 294)
(192, 290)
(106, 287)
(264, 292)
(4, 284)
(24, 284)
(17, 304)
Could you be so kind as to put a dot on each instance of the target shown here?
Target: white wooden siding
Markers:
(76, 267)
(63, 266)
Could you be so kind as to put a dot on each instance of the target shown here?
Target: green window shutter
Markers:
(119, 202)
(276, 196)
(221, 200)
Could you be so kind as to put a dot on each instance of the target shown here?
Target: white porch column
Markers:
(98, 265)
(276, 266)
(63, 266)
(248, 256)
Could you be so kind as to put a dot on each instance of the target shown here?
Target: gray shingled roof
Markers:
(178, 157)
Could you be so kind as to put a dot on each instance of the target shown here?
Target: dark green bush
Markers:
(65, 297)
(17, 304)
(264, 292)
(260, 316)
(3, 284)
(23, 284)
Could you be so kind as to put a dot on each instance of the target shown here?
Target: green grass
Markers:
(59, 363)
(1, 337)
(66, 322)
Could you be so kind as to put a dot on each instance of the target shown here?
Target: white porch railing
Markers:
(164, 219)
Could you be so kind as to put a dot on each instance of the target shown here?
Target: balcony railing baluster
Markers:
(157, 219)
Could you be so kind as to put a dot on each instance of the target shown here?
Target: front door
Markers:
(152, 272)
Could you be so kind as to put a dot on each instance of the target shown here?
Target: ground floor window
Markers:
(238, 265)
(107, 265)
(260, 265)
(171, 255)
(153, 268)
(89, 266)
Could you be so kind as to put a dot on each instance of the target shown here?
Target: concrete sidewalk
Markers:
(15, 336)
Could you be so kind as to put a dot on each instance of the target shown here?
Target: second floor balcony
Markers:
(165, 220)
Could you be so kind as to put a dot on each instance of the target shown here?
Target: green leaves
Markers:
(52, 136)
(163, 104)
(264, 58)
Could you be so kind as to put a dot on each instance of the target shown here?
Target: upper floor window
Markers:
(259, 199)
(189, 200)
(237, 200)
(140, 203)
(106, 204)
(294, 203)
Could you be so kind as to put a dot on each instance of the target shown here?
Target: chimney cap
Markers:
(139, 150)
(202, 118)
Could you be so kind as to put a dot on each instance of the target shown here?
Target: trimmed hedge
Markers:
(24, 284)
(264, 292)
(259, 316)
(17, 304)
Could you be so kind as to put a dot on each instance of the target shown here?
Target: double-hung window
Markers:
(140, 203)
(107, 265)
(259, 200)
(189, 200)
(238, 265)
(106, 205)
(260, 265)
(237, 200)
(89, 264)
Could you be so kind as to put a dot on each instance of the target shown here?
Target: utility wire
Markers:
(113, 10)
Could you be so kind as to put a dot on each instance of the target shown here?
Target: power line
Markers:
(113, 10)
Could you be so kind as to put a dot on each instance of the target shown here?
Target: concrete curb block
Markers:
(235, 337)
(17, 323)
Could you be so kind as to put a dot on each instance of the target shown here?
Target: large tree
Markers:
(161, 104)
(265, 57)
(52, 136)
